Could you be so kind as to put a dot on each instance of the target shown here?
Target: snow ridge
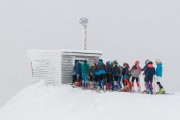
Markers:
(41, 102)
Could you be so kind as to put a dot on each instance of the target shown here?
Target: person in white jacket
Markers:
(135, 73)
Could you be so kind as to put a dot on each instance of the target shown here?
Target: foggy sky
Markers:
(125, 30)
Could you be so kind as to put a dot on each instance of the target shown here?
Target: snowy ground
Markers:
(40, 102)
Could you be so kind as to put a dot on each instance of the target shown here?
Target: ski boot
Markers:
(147, 91)
(104, 88)
(120, 90)
(133, 91)
(98, 89)
(110, 88)
(161, 91)
(126, 89)
(151, 91)
(73, 85)
(144, 91)
(139, 89)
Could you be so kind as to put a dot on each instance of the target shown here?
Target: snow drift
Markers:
(41, 102)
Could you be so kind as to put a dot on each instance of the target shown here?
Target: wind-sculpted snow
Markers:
(41, 102)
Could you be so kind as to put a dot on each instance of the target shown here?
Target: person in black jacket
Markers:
(77, 74)
(120, 78)
(149, 73)
(115, 74)
(91, 76)
(144, 69)
(108, 76)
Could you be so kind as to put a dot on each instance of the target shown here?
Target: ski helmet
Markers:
(115, 62)
(124, 64)
(127, 65)
(111, 63)
(92, 65)
(150, 62)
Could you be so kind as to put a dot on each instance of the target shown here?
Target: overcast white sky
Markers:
(125, 30)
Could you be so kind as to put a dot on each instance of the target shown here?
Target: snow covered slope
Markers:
(40, 102)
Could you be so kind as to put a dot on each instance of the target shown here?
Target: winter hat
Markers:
(85, 61)
(100, 60)
(157, 61)
(137, 62)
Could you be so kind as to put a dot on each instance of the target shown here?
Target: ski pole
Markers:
(32, 69)
(157, 87)
(139, 83)
(155, 84)
(144, 77)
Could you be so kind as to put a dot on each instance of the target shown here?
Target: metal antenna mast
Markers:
(84, 21)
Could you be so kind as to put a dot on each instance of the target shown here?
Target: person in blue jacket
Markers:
(76, 72)
(159, 70)
(100, 71)
(126, 78)
(85, 72)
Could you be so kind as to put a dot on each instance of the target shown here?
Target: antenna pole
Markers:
(84, 21)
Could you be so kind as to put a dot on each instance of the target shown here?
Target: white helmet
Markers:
(158, 61)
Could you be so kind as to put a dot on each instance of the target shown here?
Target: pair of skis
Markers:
(99, 91)
(165, 93)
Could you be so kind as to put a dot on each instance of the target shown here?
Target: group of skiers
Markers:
(114, 77)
